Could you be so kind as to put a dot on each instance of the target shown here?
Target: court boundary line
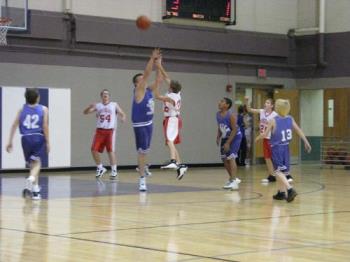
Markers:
(119, 244)
(206, 223)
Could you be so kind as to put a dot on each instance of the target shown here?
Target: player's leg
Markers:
(33, 146)
(268, 161)
(143, 136)
(230, 162)
(97, 147)
(110, 147)
(170, 128)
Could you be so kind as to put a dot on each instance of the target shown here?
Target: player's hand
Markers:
(47, 148)
(156, 53)
(307, 147)
(9, 148)
(226, 147)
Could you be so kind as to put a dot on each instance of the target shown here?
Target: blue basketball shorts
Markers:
(234, 147)
(280, 158)
(143, 137)
(33, 146)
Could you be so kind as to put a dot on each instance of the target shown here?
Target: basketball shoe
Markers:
(142, 184)
(100, 172)
(181, 171)
(233, 185)
(171, 165)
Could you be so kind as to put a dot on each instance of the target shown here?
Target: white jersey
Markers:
(264, 120)
(170, 109)
(106, 115)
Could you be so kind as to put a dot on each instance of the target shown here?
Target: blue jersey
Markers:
(142, 113)
(282, 133)
(224, 124)
(31, 119)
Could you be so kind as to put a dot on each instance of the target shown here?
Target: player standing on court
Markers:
(230, 136)
(280, 129)
(32, 120)
(106, 126)
(142, 114)
(265, 115)
(172, 122)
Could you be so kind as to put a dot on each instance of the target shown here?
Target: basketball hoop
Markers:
(4, 26)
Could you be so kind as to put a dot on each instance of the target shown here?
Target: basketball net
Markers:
(4, 26)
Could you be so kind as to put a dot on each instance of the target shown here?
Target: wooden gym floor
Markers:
(81, 219)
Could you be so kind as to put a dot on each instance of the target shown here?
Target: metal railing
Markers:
(335, 151)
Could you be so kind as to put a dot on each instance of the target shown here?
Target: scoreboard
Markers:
(206, 10)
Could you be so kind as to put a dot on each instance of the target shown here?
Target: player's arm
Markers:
(91, 108)
(270, 127)
(233, 123)
(13, 131)
(218, 136)
(163, 98)
(121, 113)
(302, 136)
(155, 86)
(46, 128)
(141, 86)
(164, 73)
(249, 109)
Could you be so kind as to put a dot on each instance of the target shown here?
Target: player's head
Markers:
(241, 109)
(282, 107)
(137, 78)
(175, 86)
(225, 104)
(269, 104)
(32, 96)
(105, 95)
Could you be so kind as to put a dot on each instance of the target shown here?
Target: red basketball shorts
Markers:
(104, 138)
(267, 148)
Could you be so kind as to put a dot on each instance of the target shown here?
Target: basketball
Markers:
(143, 22)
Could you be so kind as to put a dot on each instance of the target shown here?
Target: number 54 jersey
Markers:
(106, 115)
(31, 120)
(282, 133)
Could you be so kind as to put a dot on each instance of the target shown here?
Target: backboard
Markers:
(17, 11)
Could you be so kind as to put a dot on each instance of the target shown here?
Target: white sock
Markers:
(31, 179)
(36, 188)
(114, 168)
(100, 166)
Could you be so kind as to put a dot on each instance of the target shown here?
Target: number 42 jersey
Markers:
(31, 119)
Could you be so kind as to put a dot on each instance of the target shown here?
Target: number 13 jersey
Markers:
(282, 133)
(106, 115)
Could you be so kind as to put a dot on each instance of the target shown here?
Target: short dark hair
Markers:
(272, 101)
(241, 109)
(135, 77)
(31, 95)
(175, 86)
(104, 90)
(228, 101)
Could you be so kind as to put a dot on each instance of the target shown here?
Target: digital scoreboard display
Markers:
(206, 10)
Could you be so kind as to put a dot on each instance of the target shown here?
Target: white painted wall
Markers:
(200, 96)
(271, 16)
(311, 106)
